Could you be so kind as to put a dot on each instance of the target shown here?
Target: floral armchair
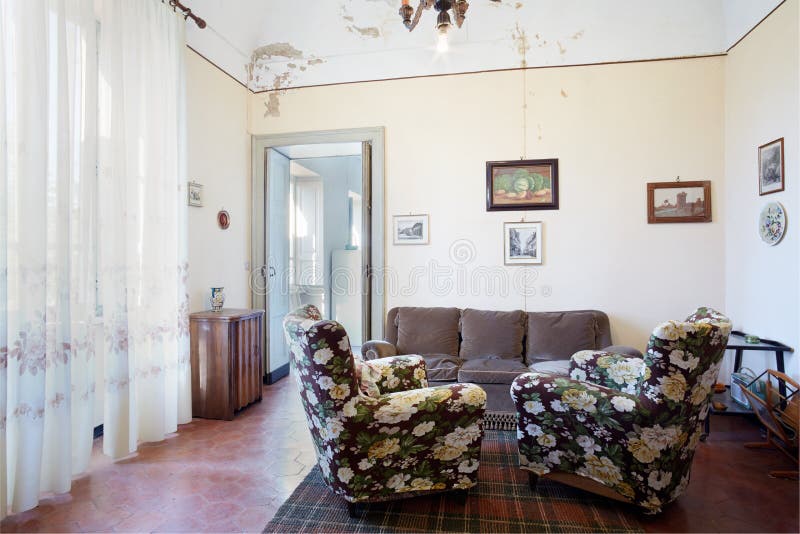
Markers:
(379, 432)
(620, 426)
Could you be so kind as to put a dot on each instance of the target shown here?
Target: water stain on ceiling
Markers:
(275, 45)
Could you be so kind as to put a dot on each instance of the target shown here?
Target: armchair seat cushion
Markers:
(623, 349)
(491, 371)
(442, 367)
(609, 369)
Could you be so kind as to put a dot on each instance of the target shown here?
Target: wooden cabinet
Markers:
(227, 367)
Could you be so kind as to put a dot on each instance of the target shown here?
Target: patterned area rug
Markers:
(502, 502)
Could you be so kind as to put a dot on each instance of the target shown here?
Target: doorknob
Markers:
(271, 271)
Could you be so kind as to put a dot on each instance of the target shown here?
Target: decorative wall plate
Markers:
(772, 223)
(223, 219)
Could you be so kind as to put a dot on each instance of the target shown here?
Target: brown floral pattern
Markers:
(639, 444)
(397, 444)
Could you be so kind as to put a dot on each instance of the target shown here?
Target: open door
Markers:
(317, 234)
(366, 240)
(278, 230)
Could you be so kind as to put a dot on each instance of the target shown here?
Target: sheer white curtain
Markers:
(64, 226)
(47, 300)
(142, 207)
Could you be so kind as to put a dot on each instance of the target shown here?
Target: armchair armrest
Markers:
(396, 373)
(613, 370)
(407, 442)
(374, 349)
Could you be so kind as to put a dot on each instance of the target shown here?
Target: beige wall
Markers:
(613, 128)
(762, 83)
(219, 159)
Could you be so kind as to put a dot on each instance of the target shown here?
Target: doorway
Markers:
(317, 235)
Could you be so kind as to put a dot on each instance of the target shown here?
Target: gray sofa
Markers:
(491, 348)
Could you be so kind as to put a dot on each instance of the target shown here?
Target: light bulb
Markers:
(442, 45)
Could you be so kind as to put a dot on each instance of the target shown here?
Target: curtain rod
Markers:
(187, 13)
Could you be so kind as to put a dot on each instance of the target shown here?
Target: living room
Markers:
(596, 103)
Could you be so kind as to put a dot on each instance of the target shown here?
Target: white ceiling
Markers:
(295, 43)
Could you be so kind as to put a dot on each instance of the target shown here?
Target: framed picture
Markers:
(671, 202)
(195, 194)
(410, 229)
(530, 184)
(770, 167)
(522, 243)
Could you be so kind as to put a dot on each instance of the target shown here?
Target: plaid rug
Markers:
(502, 502)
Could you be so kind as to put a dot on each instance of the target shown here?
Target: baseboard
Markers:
(277, 374)
(98, 431)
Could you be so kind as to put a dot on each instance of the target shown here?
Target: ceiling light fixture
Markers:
(443, 21)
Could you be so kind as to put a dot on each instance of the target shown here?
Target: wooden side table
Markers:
(227, 367)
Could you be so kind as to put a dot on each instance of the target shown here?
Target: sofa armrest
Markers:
(374, 349)
(613, 370)
(396, 373)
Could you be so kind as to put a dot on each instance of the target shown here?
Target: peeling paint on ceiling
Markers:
(281, 44)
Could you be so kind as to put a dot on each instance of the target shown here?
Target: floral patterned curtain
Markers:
(92, 235)
(142, 221)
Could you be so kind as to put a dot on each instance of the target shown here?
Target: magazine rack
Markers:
(779, 412)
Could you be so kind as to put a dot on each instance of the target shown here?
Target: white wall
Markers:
(613, 128)
(762, 83)
(219, 158)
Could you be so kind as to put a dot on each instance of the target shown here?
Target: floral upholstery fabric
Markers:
(388, 375)
(399, 443)
(616, 371)
(641, 444)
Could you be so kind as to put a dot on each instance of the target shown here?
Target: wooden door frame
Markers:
(375, 266)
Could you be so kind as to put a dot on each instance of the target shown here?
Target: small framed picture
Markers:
(522, 185)
(522, 243)
(410, 229)
(770, 167)
(195, 194)
(679, 202)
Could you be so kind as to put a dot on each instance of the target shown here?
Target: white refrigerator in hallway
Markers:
(346, 298)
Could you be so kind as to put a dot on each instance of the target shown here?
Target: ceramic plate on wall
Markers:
(772, 223)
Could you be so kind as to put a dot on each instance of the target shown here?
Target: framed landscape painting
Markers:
(530, 184)
(770, 167)
(522, 243)
(671, 202)
(410, 229)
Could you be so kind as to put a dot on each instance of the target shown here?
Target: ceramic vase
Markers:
(217, 298)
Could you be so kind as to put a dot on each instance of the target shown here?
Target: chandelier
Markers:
(443, 21)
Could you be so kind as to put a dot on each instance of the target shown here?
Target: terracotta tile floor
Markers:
(225, 476)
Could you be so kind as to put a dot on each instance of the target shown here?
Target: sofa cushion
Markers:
(559, 335)
(428, 331)
(492, 333)
(553, 367)
(442, 367)
(490, 371)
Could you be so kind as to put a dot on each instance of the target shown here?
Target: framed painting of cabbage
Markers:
(519, 185)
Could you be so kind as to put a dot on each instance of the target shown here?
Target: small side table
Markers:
(227, 367)
(737, 343)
